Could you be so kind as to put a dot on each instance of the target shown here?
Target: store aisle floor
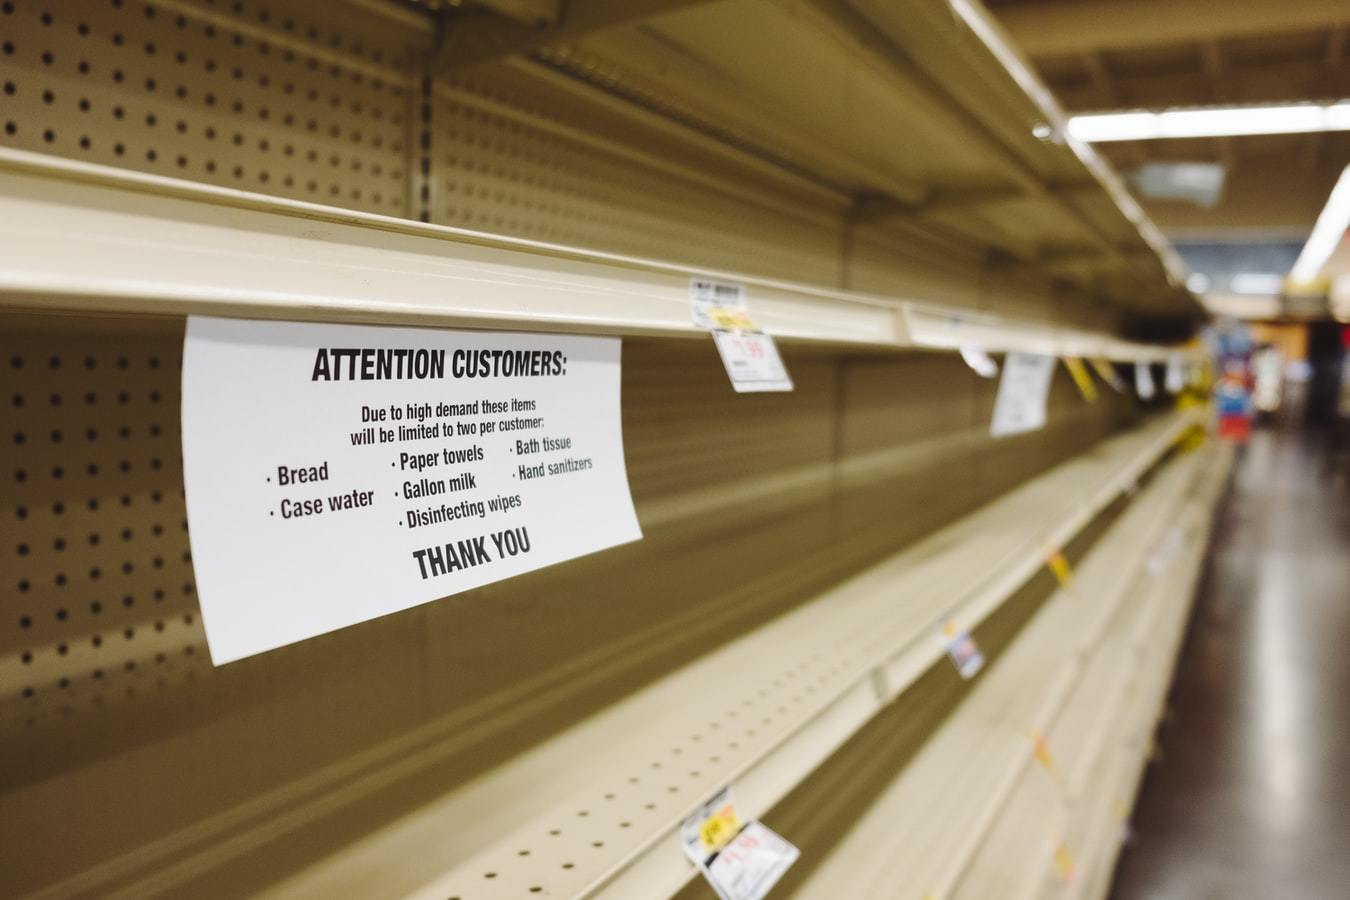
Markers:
(1251, 796)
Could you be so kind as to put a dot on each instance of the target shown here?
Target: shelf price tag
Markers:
(1107, 372)
(1059, 567)
(980, 362)
(706, 295)
(1081, 378)
(1143, 380)
(1040, 748)
(1174, 379)
(1022, 393)
(749, 355)
(961, 649)
(1064, 863)
(741, 860)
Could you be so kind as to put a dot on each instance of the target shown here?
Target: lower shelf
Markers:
(596, 810)
(1059, 837)
(959, 818)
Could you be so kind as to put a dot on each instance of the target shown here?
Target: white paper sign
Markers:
(1175, 377)
(706, 295)
(337, 473)
(741, 861)
(752, 361)
(981, 362)
(1022, 393)
(1143, 380)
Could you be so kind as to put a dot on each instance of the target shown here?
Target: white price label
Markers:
(749, 866)
(963, 651)
(741, 860)
(1175, 377)
(752, 361)
(979, 361)
(1143, 380)
(706, 295)
(337, 473)
(1022, 394)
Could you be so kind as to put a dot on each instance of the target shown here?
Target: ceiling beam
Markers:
(1336, 48)
(1060, 29)
(1216, 70)
(471, 37)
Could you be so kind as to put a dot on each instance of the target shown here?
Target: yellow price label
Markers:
(1081, 378)
(1060, 567)
(717, 830)
(1041, 748)
(1064, 862)
(736, 319)
(1106, 372)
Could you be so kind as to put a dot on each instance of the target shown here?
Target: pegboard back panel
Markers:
(274, 96)
(511, 157)
(121, 743)
(100, 607)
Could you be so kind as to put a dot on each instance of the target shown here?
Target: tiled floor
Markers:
(1251, 796)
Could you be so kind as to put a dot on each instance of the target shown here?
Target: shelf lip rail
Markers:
(91, 238)
(940, 329)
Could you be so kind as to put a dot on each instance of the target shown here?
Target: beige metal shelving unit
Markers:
(867, 170)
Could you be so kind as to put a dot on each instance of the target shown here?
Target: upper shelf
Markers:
(93, 238)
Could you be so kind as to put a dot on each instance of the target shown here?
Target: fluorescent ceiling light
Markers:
(1224, 121)
(1256, 283)
(1197, 283)
(1326, 234)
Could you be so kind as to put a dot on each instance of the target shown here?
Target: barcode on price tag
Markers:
(752, 361)
(741, 860)
(705, 295)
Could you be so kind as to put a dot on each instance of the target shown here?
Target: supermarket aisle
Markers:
(1250, 798)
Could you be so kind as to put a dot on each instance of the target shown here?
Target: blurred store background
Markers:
(1231, 121)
